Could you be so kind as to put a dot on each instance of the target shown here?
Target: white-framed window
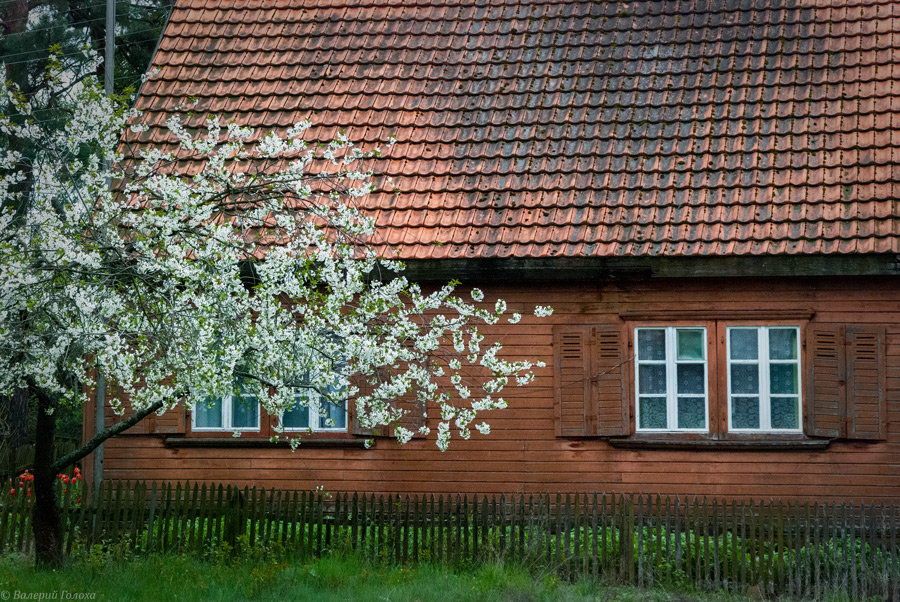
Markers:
(237, 411)
(764, 379)
(317, 413)
(671, 379)
(321, 404)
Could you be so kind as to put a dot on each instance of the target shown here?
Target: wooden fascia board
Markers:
(631, 268)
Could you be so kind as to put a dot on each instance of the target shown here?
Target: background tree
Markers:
(239, 258)
(30, 29)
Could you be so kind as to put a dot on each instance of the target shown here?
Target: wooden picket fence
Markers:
(798, 549)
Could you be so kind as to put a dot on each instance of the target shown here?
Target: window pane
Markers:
(783, 379)
(784, 413)
(653, 413)
(743, 343)
(244, 412)
(208, 413)
(335, 416)
(691, 412)
(651, 344)
(744, 378)
(690, 378)
(745, 412)
(652, 379)
(297, 417)
(690, 344)
(783, 343)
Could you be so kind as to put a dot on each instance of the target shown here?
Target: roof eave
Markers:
(623, 268)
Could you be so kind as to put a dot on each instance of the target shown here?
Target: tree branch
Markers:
(102, 436)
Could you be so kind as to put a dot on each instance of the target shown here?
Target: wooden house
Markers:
(706, 192)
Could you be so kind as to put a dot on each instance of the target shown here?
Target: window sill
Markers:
(768, 444)
(242, 442)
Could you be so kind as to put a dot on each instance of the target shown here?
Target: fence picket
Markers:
(639, 517)
(181, 518)
(563, 534)
(895, 554)
(703, 558)
(477, 532)
(502, 522)
(136, 515)
(266, 512)
(594, 548)
(456, 539)
(203, 525)
(851, 556)
(488, 514)
(734, 571)
(795, 589)
(162, 518)
(304, 530)
(844, 550)
(6, 517)
(368, 531)
(431, 521)
(835, 549)
(745, 558)
(403, 530)
(320, 523)
(484, 535)
(667, 529)
(441, 531)
(417, 525)
(715, 543)
(26, 526)
(464, 525)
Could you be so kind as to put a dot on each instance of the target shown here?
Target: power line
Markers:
(71, 54)
(73, 25)
(91, 6)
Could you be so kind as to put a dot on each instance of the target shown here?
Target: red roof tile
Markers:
(563, 127)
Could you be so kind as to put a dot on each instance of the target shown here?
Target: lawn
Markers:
(106, 577)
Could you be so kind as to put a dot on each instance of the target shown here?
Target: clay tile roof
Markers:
(543, 128)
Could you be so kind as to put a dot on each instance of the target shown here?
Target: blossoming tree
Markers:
(238, 255)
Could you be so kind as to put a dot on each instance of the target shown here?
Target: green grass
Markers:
(171, 577)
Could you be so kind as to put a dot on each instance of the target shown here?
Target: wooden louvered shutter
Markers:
(572, 369)
(110, 417)
(611, 416)
(864, 409)
(170, 423)
(590, 384)
(825, 382)
(412, 420)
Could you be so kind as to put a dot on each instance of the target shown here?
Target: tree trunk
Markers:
(46, 517)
